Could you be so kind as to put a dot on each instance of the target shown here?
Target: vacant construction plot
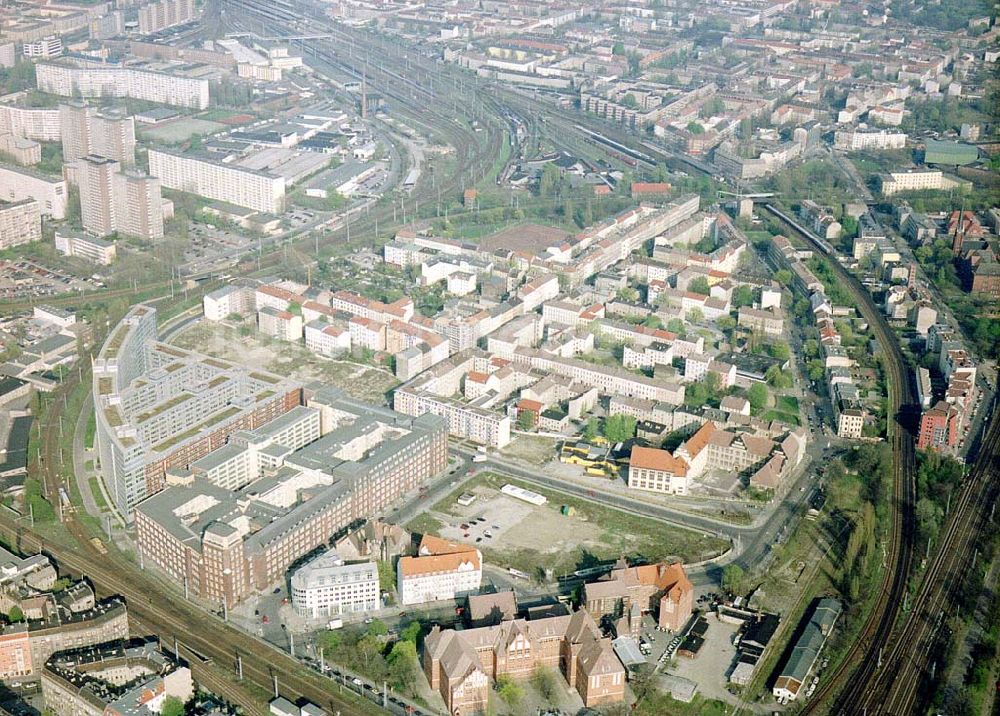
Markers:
(289, 359)
(532, 538)
(180, 130)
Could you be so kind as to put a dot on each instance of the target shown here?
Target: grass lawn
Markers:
(787, 404)
(424, 524)
(658, 703)
(95, 490)
(88, 435)
(789, 418)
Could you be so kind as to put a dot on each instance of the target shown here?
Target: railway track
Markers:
(153, 606)
(909, 665)
(854, 675)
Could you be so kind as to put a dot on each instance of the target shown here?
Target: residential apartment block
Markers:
(440, 570)
(461, 664)
(914, 180)
(86, 130)
(226, 545)
(19, 184)
(236, 185)
(20, 223)
(111, 200)
(89, 79)
(159, 407)
(38, 123)
(91, 680)
(156, 16)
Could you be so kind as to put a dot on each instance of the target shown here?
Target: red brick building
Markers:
(939, 428)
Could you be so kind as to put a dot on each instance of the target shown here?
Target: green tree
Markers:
(525, 419)
(742, 296)
(630, 101)
(675, 325)
(776, 378)
(403, 664)
(700, 285)
(15, 615)
(732, 578)
(652, 321)
(627, 293)
(509, 690)
(757, 395)
(783, 276)
(695, 315)
(695, 127)
(411, 632)
(726, 323)
(172, 706)
(619, 427)
(377, 628)
(618, 48)
(781, 351)
(815, 369)
(696, 395)
(591, 429)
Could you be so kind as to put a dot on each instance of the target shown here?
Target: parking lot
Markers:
(31, 279)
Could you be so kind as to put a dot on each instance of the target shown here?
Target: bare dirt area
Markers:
(289, 359)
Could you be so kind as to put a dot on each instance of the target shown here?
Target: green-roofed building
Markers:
(950, 153)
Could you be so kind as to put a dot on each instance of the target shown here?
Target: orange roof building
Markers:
(441, 570)
(657, 471)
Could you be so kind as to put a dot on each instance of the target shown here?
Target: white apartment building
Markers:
(326, 587)
(20, 184)
(853, 140)
(464, 421)
(223, 302)
(441, 570)
(46, 47)
(68, 80)
(39, 124)
(93, 249)
(326, 339)
(243, 187)
(21, 150)
(20, 223)
(917, 180)
(367, 333)
(283, 325)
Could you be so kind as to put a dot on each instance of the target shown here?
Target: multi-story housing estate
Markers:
(248, 188)
(225, 545)
(940, 428)
(461, 664)
(112, 201)
(160, 407)
(20, 150)
(283, 325)
(326, 587)
(44, 47)
(853, 140)
(86, 130)
(38, 123)
(21, 184)
(20, 223)
(770, 322)
(51, 626)
(120, 678)
(440, 570)
(912, 180)
(232, 299)
(156, 16)
(82, 78)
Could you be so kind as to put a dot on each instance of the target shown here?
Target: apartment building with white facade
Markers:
(251, 189)
(86, 247)
(81, 78)
(18, 184)
(20, 223)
